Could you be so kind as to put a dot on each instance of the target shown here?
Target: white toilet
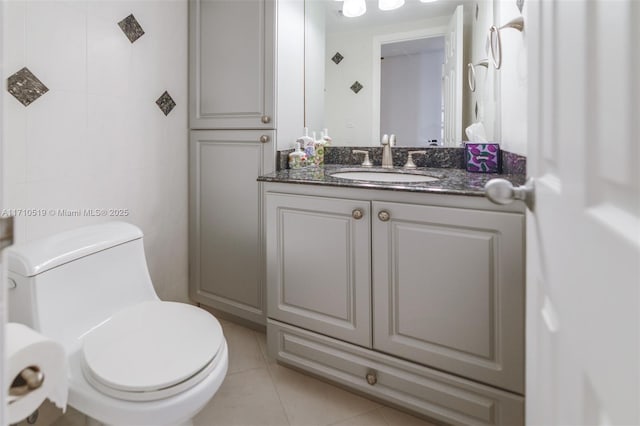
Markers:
(134, 360)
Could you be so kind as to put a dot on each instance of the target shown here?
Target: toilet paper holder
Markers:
(29, 379)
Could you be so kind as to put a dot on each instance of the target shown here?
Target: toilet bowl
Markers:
(134, 359)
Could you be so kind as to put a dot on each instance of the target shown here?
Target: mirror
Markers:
(402, 71)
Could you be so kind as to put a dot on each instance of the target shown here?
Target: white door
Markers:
(3, 272)
(583, 254)
(452, 79)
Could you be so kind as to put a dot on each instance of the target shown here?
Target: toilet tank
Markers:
(67, 284)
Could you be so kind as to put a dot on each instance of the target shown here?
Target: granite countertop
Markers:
(450, 181)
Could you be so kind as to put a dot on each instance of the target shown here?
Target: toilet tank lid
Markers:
(35, 257)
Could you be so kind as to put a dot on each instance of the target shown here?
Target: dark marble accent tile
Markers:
(448, 158)
(356, 87)
(337, 58)
(131, 28)
(166, 103)
(25, 87)
(513, 163)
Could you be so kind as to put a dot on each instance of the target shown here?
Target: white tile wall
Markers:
(97, 139)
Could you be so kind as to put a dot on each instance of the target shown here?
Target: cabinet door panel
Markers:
(226, 221)
(448, 298)
(449, 290)
(318, 273)
(232, 60)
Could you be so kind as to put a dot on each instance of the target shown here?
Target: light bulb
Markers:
(389, 4)
(427, 1)
(353, 8)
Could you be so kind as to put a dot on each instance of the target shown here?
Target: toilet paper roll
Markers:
(25, 348)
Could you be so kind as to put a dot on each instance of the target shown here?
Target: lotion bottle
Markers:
(297, 158)
(325, 137)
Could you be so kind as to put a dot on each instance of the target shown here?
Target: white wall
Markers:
(513, 79)
(501, 94)
(485, 95)
(411, 97)
(290, 72)
(314, 79)
(97, 139)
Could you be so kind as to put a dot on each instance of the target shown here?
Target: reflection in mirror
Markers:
(411, 102)
(418, 91)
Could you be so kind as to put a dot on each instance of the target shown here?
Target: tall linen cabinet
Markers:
(232, 142)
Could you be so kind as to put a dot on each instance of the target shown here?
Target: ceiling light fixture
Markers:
(389, 4)
(354, 8)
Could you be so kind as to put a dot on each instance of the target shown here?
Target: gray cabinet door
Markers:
(318, 265)
(231, 58)
(448, 290)
(226, 249)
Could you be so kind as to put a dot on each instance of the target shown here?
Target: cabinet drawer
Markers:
(422, 390)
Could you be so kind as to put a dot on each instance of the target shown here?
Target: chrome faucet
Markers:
(387, 158)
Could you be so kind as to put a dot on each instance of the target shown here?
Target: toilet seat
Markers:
(151, 350)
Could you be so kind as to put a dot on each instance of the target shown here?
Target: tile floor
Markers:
(258, 391)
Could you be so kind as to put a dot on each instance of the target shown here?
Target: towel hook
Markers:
(496, 42)
(471, 72)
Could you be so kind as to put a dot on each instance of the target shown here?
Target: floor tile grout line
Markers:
(379, 408)
(383, 416)
(245, 370)
(264, 355)
(273, 383)
(275, 386)
(361, 414)
(269, 368)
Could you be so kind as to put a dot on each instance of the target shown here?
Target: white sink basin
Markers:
(383, 176)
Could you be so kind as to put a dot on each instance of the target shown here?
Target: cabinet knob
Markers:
(264, 138)
(357, 214)
(371, 377)
(266, 119)
(384, 215)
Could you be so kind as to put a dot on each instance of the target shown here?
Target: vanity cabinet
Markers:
(418, 300)
(226, 268)
(231, 64)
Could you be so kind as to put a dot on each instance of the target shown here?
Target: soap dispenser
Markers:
(320, 145)
(325, 137)
(297, 158)
(307, 143)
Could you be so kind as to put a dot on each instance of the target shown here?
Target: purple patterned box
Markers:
(483, 157)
